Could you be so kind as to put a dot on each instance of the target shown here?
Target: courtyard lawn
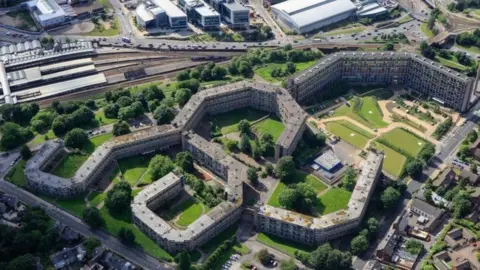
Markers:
(96, 198)
(271, 125)
(133, 168)
(73, 161)
(427, 31)
(187, 212)
(352, 136)
(300, 177)
(283, 245)
(114, 224)
(16, 175)
(371, 112)
(450, 63)
(102, 119)
(393, 161)
(333, 200)
(211, 245)
(265, 71)
(228, 122)
(405, 140)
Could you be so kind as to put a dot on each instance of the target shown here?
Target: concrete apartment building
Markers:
(415, 72)
(318, 230)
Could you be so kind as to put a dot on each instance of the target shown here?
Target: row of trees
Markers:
(209, 72)
(218, 254)
(360, 243)
(326, 258)
(290, 68)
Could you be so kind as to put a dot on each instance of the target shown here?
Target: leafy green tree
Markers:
(24, 262)
(164, 115)
(348, 180)
(464, 152)
(218, 73)
(269, 168)
(25, 152)
(193, 85)
(160, 166)
(182, 96)
(126, 236)
(76, 138)
(119, 197)
(427, 194)
(327, 258)
(244, 126)
(245, 145)
(43, 120)
(121, 128)
(252, 175)
(473, 168)
(111, 111)
(359, 244)
(390, 197)
(184, 75)
(472, 136)
(185, 161)
(183, 261)
(91, 216)
(461, 204)
(13, 135)
(90, 244)
(288, 197)
(285, 168)
(414, 247)
(288, 265)
(414, 167)
(153, 93)
(263, 256)
(290, 68)
(372, 226)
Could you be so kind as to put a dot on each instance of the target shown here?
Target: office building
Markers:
(160, 13)
(416, 73)
(46, 13)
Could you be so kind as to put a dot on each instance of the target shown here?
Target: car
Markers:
(369, 34)
(356, 38)
(13, 162)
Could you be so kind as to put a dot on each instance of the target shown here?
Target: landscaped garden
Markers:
(393, 161)
(271, 125)
(265, 72)
(405, 140)
(364, 110)
(333, 200)
(186, 212)
(350, 133)
(228, 122)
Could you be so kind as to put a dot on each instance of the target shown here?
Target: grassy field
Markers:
(349, 134)
(133, 168)
(405, 19)
(114, 224)
(393, 161)
(369, 113)
(408, 142)
(450, 63)
(16, 175)
(272, 125)
(283, 244)
(300, 177)
(101, 31)
(472, 49)
(40, 138)
(265, 71)
(189, 211)
(72, 162)
(100, 116)
(211, 245)
(105, 3)
(333, 200)
(427, 31)
(228, 122)
(73, 205)
(96, 198)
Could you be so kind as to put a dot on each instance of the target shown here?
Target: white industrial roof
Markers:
(47, 9)
(144, 13)
(206, 11)
(307, 12)
(371, 9)
(171, 9)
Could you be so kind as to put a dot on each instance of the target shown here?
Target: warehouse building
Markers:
(424, 76)
(47, 13)
(199, 13)
(233, 14)
(308, 15)
(160, 13)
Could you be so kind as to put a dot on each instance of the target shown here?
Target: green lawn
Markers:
(72, 162)
(211, 245)
(189, 211)
(405, 19)
(271, 125)
(349, 134)
(228, 122)
(265, 71)
(40, 138)
(333, 200)
(95, 198)
(450, 63)
(368, 115)
(408, 142)
(73, 205)
(393, 161)
(16, 175)
(105, 3)
(427, 31)
(102, 119)
(287, 246)
(100, 31)
(300, 177)
(133, 168)
(472, 49)
(114, 224)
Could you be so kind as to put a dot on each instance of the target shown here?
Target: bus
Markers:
(126, 40)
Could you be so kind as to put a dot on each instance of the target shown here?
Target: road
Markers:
(134, 255)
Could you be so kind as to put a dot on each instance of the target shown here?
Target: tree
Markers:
(414, 167)
(61, 124)
(464, 152)
(288, 265)
(184, 75)
(388, 46)
(244, 126)
(24, 262)
(43, 120)
(285, 168)
(182, 96)
(13, 135)
(290, 68)
(218, 73)
(269, 168)
(461, 204)
(288, 197)
(159, 166)
(245, 145)
(119, 197)
(193, 85)
(121, 128)
(25, 152)
(185, 161)
(473, 168)
(82, 116)
(372, 226)
(390, 197)
(427, 50)
(472, 136)
(263, 256)
(91, 216)
(164, 114)
(414, 247)
(252, 175)
(183, 261)
(359, 244)
(76, 138)
(153, 93)
(111, 110)
(348, 180)
(90, 244)
(427, 194)
(126, 236)
(327, 258)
